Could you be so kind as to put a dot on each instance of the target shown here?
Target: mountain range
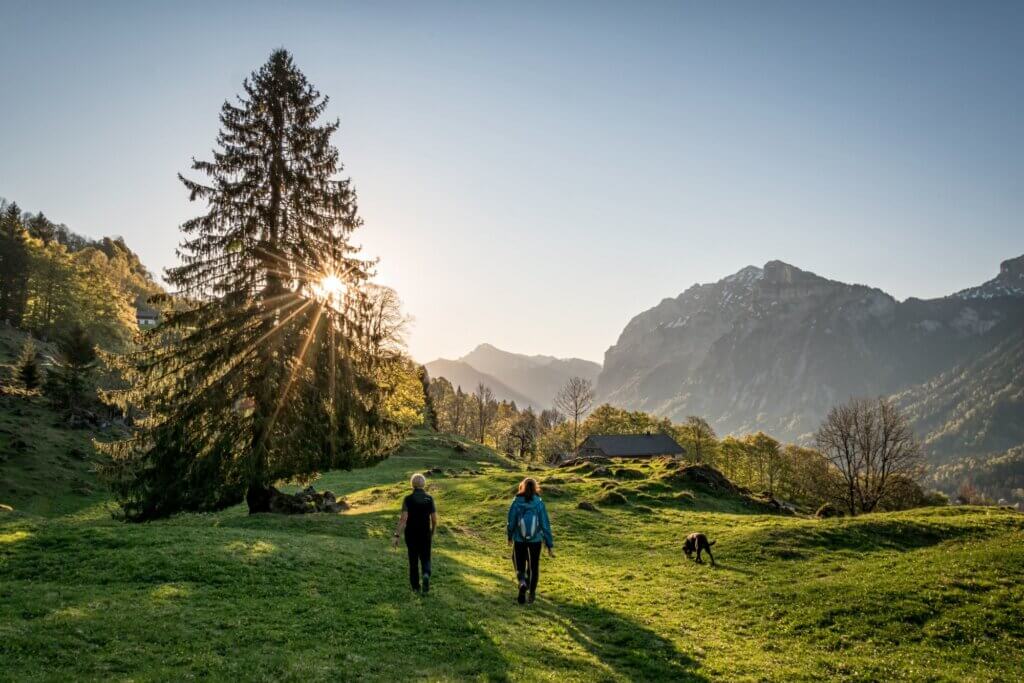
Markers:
(527, 380)
(773, 348)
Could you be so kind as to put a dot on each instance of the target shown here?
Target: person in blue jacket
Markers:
(528, 526)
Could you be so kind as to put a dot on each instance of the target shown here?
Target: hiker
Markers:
(528, 525)
(418, 520)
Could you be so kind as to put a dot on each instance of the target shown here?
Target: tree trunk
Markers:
(258, 498)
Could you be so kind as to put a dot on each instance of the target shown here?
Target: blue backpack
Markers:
(529, 523)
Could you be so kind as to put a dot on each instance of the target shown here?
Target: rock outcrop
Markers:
(306, 501)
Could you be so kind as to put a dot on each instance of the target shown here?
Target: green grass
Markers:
(45, 468)
(932, 594)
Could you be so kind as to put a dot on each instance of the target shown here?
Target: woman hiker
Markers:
(528, 526)
(418, 520)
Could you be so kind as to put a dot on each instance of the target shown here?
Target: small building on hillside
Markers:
(146, 318)
(629, 446)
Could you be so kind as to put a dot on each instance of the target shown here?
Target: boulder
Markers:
(779, 506)
(611, 498)
(586, 505)
(700, 475)
(827, 511)
(306, 501)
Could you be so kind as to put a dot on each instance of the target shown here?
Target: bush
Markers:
(935, 499)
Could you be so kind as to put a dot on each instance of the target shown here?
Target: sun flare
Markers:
(329, 288)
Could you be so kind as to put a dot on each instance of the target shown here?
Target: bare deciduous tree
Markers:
(484, 400)
(574, 400)
(871, 443)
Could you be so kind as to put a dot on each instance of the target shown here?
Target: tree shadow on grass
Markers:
(621, 644)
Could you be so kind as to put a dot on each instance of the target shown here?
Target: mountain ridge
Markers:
(527, 380)
(772, 348)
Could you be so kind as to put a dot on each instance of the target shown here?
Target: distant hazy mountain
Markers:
(528, 380)
(466, 376)
(773, 348)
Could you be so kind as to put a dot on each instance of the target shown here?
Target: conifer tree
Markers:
(14, 266)
(28, 365)
(264, 374)
(68, 382)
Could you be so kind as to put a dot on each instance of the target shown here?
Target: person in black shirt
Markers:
(418, 520)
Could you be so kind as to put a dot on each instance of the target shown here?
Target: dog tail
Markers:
(711, 543)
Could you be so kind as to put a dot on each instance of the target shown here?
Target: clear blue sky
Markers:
(532, 175)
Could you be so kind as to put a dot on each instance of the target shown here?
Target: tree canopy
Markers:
(284, 360)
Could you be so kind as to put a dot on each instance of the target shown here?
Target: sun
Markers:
(329, 288)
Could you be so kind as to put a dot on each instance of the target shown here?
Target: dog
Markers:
(697, 543)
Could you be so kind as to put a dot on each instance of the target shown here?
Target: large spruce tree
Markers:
(265, 374)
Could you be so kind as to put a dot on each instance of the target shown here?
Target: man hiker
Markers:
(418, 520)
(528, 526)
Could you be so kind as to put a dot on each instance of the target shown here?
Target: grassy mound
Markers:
(929, 594)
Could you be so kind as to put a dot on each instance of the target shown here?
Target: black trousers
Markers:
(418, 546)
(527, 559)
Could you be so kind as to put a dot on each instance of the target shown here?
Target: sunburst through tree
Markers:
(268, 367)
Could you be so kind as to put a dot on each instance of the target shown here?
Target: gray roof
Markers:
(634, 445)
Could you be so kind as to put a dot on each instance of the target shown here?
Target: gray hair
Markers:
(418, 481)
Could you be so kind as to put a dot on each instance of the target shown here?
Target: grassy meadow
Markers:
(933, 594)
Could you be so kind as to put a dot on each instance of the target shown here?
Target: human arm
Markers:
(433, 516)
(545, 524)
(511, 521)
(402, 521)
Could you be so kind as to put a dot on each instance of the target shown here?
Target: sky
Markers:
(533, 175)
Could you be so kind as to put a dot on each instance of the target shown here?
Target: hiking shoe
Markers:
(522, 593)
(426, 584)
(533, 596)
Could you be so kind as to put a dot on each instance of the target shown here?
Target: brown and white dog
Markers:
(697, 543)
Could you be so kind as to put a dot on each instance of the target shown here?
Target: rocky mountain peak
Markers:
(1012, 268)
(772, 348)
(1009, 282)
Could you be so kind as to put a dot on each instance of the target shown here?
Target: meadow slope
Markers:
(933, 594)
